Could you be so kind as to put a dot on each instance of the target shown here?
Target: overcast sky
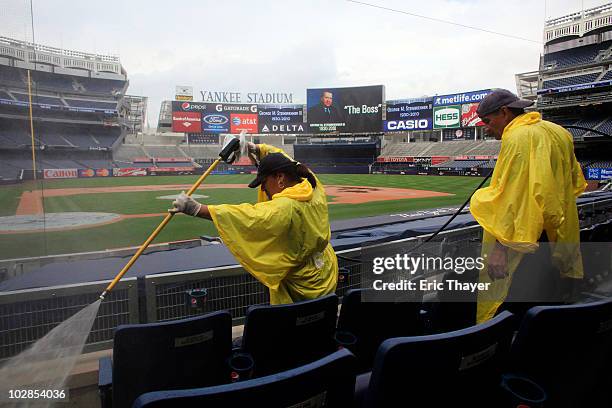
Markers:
(288, 46)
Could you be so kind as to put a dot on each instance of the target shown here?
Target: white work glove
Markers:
(253, 153)
(186, 205)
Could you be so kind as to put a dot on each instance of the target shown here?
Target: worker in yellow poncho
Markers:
(283, 240)
(531, 199)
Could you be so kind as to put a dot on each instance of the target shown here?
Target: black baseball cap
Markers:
(270, 164)
(498, 98)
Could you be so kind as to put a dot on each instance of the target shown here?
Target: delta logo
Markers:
(243, 122)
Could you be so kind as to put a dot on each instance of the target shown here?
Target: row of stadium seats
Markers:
(57, 101)
(16, 133)
(575, 56)
(60, 83)
(603, 124)
(600, 164)
(572, 80)
(287, 357)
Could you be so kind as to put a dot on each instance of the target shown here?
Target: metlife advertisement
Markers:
(408, 114)
(460, 98)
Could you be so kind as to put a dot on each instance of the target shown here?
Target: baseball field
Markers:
(79, 215)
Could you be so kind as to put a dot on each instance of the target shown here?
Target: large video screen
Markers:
(345, 110)
(408, 114)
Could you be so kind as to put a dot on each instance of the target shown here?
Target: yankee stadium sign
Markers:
(249, 97)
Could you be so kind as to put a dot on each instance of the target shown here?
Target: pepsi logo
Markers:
(185, 105)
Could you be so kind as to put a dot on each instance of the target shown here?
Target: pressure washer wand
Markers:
(225, 154)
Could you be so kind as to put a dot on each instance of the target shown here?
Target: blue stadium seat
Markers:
(463, 366)
(328, 382)
(282, 337)
(568, 351)
(371, 322)
(180, 354)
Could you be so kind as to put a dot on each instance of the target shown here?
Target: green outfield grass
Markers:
(133, 232)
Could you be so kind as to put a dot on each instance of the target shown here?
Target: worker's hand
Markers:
(252, 147)
(253, 153)
(186, 205)
(498, 262)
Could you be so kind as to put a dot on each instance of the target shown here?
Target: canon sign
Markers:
(447, 117)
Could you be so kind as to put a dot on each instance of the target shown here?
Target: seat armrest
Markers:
(105, 381)
(362, 383)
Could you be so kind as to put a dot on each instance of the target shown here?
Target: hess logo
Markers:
(446, 117)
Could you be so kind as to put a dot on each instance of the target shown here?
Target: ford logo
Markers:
(236, 121)
(215, 119)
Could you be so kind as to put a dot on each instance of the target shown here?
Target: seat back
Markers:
(463, 366)
(373, 322)
(178, 354)
(282, 337)
(568, 351)
(328, 382)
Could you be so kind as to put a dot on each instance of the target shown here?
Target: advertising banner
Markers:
(199, 117)
(281, 119)
(439, 159)
(598, 174)
(184, 93)
(153, 171)
(215, 123)
(405, 159)
(187, 122)
(578, 87)
(345, 110)
(243, 122)
(447, 117)
(84, 173)
(423, 160)
(469, 117)
(60, 173)
(130, 171)
(461, 98)
(409, 114)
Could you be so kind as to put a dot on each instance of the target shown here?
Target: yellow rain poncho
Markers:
(533, 189)
(283, 242)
